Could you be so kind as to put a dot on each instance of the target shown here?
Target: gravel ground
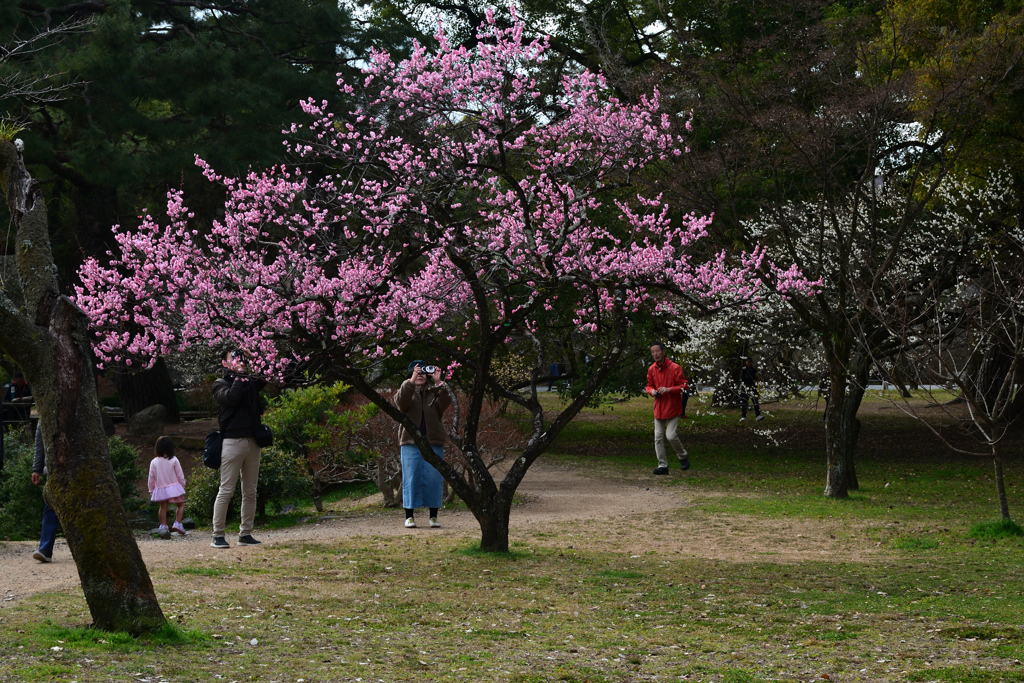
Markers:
(637, 514)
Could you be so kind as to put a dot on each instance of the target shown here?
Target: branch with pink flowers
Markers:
(455, 203)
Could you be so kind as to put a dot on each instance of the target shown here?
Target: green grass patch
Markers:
(43, 672)
(883, 586)
(1001, 528)
(619, 574)
(989, 633)
(964, 674)
(915, 543)
(199, 571)
(476, 551)
(52, 635)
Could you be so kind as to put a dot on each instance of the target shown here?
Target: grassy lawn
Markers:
(908, 594)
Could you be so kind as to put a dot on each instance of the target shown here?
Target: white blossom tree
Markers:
(955, 304)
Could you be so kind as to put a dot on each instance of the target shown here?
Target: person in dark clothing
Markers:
(20, 394)
(238, 412)
(18, 390)
(748, 389)
(48, 536)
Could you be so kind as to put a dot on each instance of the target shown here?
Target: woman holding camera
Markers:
(422, 484)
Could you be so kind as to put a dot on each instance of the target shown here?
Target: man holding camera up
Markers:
(238, 411)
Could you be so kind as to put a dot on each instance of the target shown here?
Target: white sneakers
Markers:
(410, 523)
(759, 418)
(178, 528)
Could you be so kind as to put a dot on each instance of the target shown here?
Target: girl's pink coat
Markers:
(166, 480)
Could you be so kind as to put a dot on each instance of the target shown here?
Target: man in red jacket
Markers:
(666, 383)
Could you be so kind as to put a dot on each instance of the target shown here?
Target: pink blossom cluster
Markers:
(454, 195)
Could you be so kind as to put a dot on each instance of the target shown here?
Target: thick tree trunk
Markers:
(997, 460)
(140, 390)
(842, 427)
(317, 493)
(897, 379)
(389, 484)
(52, 347)
(82, 490)
(494, 524)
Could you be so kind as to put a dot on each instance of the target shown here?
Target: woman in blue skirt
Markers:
(424, 402)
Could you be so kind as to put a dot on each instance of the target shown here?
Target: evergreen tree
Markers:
(156, 83)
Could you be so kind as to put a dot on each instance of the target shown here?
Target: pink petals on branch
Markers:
(453, 189)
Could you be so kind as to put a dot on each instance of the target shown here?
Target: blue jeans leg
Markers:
(49, 534)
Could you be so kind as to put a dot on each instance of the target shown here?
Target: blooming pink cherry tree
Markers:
(456, 207)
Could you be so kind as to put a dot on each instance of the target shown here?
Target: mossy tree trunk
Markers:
(47, 335)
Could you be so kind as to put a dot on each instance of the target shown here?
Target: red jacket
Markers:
(668, 405)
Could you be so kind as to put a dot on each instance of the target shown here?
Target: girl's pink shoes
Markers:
(178, 528)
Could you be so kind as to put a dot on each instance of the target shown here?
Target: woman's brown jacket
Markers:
(434, 399)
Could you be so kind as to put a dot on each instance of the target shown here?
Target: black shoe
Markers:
(661, 470)
(685, 464)
(219, 542)
(248, 540)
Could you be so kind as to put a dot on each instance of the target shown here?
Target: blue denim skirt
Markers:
(422, 484)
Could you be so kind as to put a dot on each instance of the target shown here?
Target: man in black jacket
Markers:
(238, 411)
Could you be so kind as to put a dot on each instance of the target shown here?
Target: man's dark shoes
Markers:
(40, 556)
(248, 540)
(219, 542)
(684, 463)
(661, 470)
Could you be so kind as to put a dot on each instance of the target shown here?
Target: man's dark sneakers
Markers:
(661, 470)
(684, 463)
(219, 542)
(40, 556)
(248, 540)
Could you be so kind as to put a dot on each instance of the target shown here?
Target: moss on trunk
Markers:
(48, 339)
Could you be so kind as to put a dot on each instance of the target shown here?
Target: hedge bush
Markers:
(128, 472)
(21, 503)
(282, 478)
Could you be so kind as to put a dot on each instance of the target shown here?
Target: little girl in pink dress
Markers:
(167, 484)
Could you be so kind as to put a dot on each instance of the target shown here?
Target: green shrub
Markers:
(21, 503)
(125, 459)
(1001, 528)
(311, 423)
(282, 478)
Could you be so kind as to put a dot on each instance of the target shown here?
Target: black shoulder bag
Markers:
(212, 449)
(263, 436)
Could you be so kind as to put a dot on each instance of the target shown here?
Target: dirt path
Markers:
(563, 507)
